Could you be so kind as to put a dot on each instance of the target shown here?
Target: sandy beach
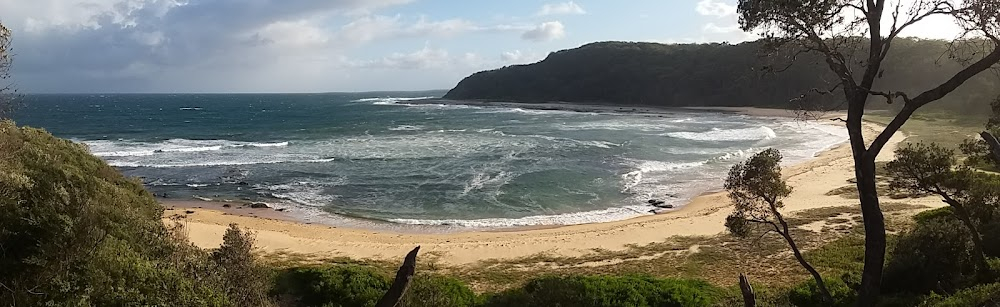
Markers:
(703, 216)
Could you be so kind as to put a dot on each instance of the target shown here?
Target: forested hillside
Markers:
(713, 75)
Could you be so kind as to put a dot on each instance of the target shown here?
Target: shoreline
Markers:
(309, 215)
(704, 215)
(614, 109)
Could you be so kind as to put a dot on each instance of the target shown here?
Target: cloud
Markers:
(223, 45)
(519, 57)
(423, 58)
(564, 8)
(546, 31)
(714, 8)
(714, 28)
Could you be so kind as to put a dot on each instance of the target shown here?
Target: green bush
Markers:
(936, 255)
(587, 291)
(77, 232)
(87, 236)
(438, 291)
(807, 293)
(926, 216)
(332, 286)
(982, 295)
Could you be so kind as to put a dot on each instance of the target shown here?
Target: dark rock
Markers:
(189, 212)
(653, 211)
(652, 201)
(226, 205)
(242, 183)
(259, 205)
(281, 209)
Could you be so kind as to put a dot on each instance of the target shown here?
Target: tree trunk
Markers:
(977, 239)
(402, 281)
(993, 143)
(749, 299)
(812, 271)
(874, 222)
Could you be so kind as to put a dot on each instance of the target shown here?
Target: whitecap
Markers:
(744, 134)
(407, 128)
(576, 218)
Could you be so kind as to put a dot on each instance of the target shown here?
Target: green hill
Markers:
(711, 75)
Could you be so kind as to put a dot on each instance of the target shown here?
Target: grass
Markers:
(946, 129)
(716, 259)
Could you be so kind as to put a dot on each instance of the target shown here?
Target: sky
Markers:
(253, 46)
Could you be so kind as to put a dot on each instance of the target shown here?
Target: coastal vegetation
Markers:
(75, 232)
(757, 190)
(717, 74)
(821, 29)
(94, 237)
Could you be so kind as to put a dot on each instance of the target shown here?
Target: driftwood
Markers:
(402, 281)
(993, 143)
(749, 299)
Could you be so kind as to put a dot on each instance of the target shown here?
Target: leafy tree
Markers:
(242, 276)
(921, 168)
(836, 30)
(757, 190)
(980, 152)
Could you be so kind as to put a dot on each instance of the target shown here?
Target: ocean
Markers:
(341, 158)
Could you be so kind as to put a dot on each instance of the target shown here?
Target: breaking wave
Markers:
(745, 134)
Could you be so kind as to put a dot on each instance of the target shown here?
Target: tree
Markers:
(8, 99)
(757, 189)
(835, 28)
(243, 277)
(924, 168)
(986, 150)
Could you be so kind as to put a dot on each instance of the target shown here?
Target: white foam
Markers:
(634, 178)
(576, 218)
(214, 163)
(744, 134)
(105, 148)
(407, 128)
(390, 100)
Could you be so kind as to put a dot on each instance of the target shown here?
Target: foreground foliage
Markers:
(74, 231)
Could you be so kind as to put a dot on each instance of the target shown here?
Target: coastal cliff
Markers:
(683, 75)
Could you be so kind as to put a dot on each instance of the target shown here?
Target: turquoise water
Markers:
(376, 156)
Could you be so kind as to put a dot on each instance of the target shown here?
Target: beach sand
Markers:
(703, 216)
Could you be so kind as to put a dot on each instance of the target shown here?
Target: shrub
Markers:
(333, 286)
(982, 295)
(807, 293)
(585, 291)
(926, 216)
(438, 291)
(79, 233)
(936, 255)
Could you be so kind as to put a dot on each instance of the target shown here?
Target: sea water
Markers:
(380, 156)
